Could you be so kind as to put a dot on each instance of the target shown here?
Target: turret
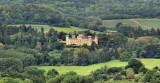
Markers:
(73, 36)
(90, 40)
(96, 40)
(67, 40)
(80, 36)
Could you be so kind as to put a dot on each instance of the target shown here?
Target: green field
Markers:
(85, 70)
(59, 29)
(72, 29)
(144, 23)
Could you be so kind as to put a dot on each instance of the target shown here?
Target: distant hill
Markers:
(108, 9)
(79, 13)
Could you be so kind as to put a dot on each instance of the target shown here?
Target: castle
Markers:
(80, 40)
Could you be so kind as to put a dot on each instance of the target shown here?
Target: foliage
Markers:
(71, 78)
(125, 56)
(8, 64)
(145, 24)
(134, 64)
(130, 74)
(52, 73)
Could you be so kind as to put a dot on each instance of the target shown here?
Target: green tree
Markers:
(135, 65)
(125, 56)
(52, 73)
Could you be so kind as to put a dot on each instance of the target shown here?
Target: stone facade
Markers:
(80, 40)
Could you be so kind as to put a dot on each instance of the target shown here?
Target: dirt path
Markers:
(139, 23)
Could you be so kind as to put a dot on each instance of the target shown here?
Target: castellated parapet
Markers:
(80, 40)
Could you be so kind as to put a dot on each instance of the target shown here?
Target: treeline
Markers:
(36, 14)
(128, 43)
(135, 32)
(145, 43)
(135, 71)
(83, 14)
(39, 44)
(107, 9)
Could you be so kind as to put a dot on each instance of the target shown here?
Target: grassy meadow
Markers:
(144, 23)
(85, 70)
(59, 29)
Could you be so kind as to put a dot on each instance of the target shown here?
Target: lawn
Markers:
(59, 29)
(72, 29)
(1, 46)
(85, 70)
(112, 23)
(150, 23)
(144, 23)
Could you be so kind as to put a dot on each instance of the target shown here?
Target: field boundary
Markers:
(134, 20)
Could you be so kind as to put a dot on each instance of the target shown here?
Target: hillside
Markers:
(79, 41)
(59, 29)
(86, 70)
(105, 8)
(144, 23)
(84, 13)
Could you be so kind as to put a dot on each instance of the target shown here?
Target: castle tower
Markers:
(80, 40)
(67, 40)
(96, 40)
(90, 40)
(73, 36)
(80, 36)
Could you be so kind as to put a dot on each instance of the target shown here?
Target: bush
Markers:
(134, 64)
(52, 73)
(125, 56)
(130, 74)
(114, 70)
(142, 69)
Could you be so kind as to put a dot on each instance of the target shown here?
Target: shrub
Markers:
(125, 56)
(52, 73)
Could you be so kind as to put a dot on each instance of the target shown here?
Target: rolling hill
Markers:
(144, 23)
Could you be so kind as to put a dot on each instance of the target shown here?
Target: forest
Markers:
(23, 48)
(80, 13)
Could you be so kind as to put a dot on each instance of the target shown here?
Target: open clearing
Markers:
(85, 70)
(144, 23)
(59, 29)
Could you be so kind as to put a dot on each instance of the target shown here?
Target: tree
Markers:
(125, 56)
(134, 64)
(149, 75)
(118, 25)
(52, 73)
(59, 46)
(8, 64)
(142, 69)
(67, 57)
(130, 74)
(81, 57)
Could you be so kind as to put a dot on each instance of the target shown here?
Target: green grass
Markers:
(59, 29)
(72, 29)
(144, 23)
(151, 63)
(112, 23)
(38, 27)
(83, 70)
(151, 23)
(86, 70)
(1, 44)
